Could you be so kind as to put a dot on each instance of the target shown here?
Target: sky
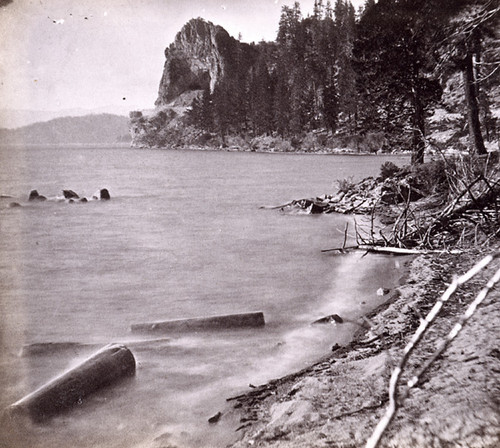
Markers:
(90, 54)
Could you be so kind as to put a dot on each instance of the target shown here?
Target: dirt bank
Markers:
(338, 401)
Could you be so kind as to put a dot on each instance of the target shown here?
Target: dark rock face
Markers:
(70, 194)
(105, 194)
(34, 196)
(200, 57)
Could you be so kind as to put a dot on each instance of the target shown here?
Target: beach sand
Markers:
(338, 401)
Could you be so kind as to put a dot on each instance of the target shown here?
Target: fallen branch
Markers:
(274, 207)
(391, 250)
(357, 411)
(345, 235)
(374, 440)
(457, 328)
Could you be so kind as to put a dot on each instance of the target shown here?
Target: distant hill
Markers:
(16, 118)
(88, 129)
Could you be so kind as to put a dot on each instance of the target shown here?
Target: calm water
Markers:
(183, 236)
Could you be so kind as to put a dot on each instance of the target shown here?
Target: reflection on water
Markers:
(183, 236)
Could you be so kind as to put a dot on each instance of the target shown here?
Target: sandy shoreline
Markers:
(339, 400)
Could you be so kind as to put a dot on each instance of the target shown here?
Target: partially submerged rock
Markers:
(104, 195)
(34, 196)
(70, 194)
(332, 318)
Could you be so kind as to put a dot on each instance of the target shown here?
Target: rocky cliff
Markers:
(202, 56)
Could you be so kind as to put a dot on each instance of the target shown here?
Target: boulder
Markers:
(34, 196)
(104, 194)
(70, 194)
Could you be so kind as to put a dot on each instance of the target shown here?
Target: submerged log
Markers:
(203, 323)
(51, 348)
(107, 366)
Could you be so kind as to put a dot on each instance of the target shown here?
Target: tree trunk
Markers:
(475, 137)
(418, 144)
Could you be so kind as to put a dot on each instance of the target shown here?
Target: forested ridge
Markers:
(381, 78)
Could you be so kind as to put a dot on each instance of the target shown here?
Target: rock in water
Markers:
(104, 194)
(107, 366)
(70, 194)
(329, 319)
(215, 418)
(383, 291)
(34, 196)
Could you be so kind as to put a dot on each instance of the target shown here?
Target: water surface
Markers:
(183, 236)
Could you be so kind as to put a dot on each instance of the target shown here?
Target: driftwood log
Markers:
(203, 323)
(107, 366)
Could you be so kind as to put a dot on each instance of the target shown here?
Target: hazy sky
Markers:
(65, 54)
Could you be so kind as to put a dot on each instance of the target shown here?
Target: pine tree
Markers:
(260, 92)
(472, 23)
(395, 58)
(345, 23)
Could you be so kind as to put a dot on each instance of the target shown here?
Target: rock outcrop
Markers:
(202, 56)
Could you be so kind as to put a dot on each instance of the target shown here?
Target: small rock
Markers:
(383, 291)
(70, 194)
(104, 193)
(329, 319)
(215, 418)
(34, 196)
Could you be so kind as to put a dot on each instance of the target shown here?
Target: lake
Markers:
(182, 236)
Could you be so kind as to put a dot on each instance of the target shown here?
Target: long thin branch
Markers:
(457, 328)
(373, 441)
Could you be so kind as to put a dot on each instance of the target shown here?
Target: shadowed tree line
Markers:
(377, 70)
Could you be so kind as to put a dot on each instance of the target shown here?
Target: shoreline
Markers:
(221, 426)
(321, 152)
(338, 400)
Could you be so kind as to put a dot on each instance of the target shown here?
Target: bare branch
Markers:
(457, 328)
(373, 441)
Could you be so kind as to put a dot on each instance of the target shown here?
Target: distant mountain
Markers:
(88, 129)
(16, 118)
